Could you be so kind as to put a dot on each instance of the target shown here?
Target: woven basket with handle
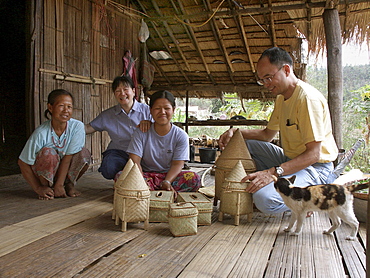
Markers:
(182, 218)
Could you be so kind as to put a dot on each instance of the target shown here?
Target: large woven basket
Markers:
(132, 199)
(236, 150)
(119, 183)
(182, 218)
(234, 199)
(202, 203)
(123, 175)
(159, 205)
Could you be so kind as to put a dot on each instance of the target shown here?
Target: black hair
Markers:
(125, 80)
(53, 96)
(162, 94)
(277, 56)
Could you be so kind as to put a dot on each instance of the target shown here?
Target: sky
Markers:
(352, 55)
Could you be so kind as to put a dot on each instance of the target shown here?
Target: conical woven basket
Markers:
(132, 199)
(119, 183)
(234, 151)
(124, 173)
(237, 173)
(182, 218)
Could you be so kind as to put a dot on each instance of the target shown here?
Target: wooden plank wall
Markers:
(84, 38)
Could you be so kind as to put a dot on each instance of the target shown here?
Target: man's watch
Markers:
(279, 171)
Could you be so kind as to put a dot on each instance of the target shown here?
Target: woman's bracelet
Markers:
(166, 181)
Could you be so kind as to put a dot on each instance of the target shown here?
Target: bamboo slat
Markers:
(68, 252)
(303, 255)
(352, 251)
(228, 244)
(25, 232)
(259, 245)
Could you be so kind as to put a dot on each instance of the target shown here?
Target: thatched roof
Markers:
(214, 45)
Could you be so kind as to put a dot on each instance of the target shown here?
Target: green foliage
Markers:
(355, 112)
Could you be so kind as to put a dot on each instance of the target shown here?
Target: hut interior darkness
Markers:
(13, 84)
(197, 49)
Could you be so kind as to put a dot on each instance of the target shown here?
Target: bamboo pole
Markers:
(75, 77)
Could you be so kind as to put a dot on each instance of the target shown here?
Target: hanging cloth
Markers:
(147, 69)
(129, 69)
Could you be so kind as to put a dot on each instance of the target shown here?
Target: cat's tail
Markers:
(358, 185)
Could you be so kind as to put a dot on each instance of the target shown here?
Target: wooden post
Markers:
(187, 112)
(335, 72)
(368, 239)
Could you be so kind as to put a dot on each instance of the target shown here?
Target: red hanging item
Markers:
(129, 69)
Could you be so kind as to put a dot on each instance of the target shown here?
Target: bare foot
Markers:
(44, 192)
(59, 192)
(71, 190)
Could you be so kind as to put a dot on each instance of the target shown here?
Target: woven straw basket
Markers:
(182, 218)
(119, 183)
(234, 199)
(202, 203)
(159, 205)
(236, 150)
(132, 199)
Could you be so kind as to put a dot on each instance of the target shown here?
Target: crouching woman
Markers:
(54, 157)
(162, 151)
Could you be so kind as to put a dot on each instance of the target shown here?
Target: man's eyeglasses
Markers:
(267, 80)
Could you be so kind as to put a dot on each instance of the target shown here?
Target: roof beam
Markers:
(209, 88)
(172, 36)
(257, 10)
(239, 23)
(220, 42)
(165, 45)
(195, 42)
(272, 24)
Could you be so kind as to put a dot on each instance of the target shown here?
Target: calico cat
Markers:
(335, 199)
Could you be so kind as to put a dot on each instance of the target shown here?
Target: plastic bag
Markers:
(143, 32)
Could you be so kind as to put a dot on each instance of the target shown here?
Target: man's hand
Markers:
(258, 180)
(225, 138)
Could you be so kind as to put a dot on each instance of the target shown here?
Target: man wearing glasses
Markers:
(301, 115)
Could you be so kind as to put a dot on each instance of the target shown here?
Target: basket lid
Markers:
(134, 180)
(237, 173)
(236, 148)
(124, 173)
(182, 210)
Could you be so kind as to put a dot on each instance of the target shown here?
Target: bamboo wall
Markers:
(84, 41)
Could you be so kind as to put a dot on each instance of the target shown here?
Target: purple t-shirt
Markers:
(119, 125)
(157, 152)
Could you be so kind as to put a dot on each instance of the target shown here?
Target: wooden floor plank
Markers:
(73, 237)
(155, 253)
(352, 251)
(260, 244)
(228, 244)
(68, 252)
(304, 255)
(20, 234)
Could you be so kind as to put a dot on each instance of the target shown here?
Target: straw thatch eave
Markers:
(215, 45)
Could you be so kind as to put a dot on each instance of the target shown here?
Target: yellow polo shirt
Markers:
(301, 119)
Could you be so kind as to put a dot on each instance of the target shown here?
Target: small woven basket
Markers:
(159, 205)
(202, 203)
(182, 218)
